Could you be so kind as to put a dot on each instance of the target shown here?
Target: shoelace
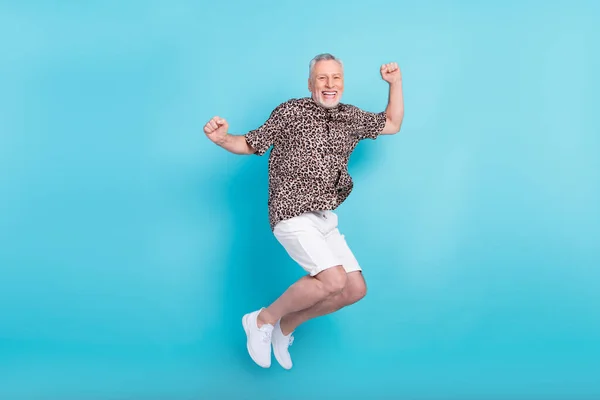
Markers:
(266, 335)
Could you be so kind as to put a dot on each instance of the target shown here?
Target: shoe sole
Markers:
(247, 330)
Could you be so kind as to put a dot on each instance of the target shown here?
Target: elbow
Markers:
(393, 120)
(397, 124)
(393, 126)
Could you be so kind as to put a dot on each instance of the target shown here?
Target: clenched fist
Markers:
(391, 73)
(216, 129)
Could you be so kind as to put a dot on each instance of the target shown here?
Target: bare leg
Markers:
(354, 290)
(305, 293)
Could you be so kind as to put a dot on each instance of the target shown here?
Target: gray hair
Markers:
(322, 57)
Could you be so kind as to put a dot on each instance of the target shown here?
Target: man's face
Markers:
(327, 83)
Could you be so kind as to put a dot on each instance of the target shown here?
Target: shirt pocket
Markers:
(341, 139)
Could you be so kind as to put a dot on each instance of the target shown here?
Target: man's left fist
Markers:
(391, 73)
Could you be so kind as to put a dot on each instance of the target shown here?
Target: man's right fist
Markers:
(216, 129)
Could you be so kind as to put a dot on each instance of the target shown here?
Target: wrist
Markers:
(222, 141)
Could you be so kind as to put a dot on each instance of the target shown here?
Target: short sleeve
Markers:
(369, 125)
(262, 139)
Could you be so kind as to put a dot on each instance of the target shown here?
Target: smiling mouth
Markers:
(329, 95)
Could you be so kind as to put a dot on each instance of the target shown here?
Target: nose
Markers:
(329, 82)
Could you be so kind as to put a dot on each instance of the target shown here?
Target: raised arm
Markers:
(216, 131)
(395, 108)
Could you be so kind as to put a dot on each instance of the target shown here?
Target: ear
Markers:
(310, 86)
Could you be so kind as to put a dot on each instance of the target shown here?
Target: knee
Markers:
(355, 292)
(334, 282)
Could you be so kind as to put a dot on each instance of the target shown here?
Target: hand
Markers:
(216, 129)
(391, 73)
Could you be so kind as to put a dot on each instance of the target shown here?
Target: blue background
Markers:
(130, 245)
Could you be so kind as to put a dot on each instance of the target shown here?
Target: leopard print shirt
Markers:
(308, 165)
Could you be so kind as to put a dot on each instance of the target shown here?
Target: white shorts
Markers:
(314, 241)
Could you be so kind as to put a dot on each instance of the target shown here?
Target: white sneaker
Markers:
(258, 339)
(281, 343)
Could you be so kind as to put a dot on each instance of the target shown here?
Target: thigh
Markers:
(338, 245)
(305, 244)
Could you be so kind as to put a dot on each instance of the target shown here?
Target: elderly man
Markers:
(311, 139)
